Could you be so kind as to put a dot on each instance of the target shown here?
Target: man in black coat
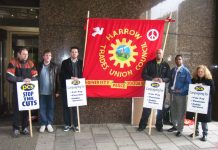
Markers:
(71, 68)
(159, 71)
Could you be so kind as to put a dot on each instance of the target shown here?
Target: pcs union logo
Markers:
(75, 82)
(123, 52)
(155, 85)
(199, 88)
(27, 87)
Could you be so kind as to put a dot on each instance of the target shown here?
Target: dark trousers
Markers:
(67, 112)
(145, 115)
(17, 113)
(46, 109)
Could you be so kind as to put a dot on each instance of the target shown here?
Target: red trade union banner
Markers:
(116, 52)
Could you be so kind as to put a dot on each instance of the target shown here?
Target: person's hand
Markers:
(177, 91)
(74, 78)
(160, 80)
(27, 81)
(199, 84)
(155, 79)
(56, 95)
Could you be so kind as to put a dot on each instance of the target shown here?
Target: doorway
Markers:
(26, 40)
(16, 39)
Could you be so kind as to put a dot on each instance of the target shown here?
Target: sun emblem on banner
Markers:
(123, 52)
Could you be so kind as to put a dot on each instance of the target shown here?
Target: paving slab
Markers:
(106, 146)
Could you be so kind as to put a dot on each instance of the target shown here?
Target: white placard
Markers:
(154, 95)
(28, 95)
(76, 92)
(198, 97)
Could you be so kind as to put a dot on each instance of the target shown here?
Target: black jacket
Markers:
(54, 76)
(153, 70)
(203, 117)
(67, 72)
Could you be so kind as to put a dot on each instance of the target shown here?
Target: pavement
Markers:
(108, 137)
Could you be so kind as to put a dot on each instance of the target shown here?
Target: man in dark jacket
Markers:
(20, 69)
(48, 90)
(159, 71)
(71, 68)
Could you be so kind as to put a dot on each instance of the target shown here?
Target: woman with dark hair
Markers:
(203, 76)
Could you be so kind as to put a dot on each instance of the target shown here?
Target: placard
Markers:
(76, 92)
(28, 95)
(154, 95)
(198, 97)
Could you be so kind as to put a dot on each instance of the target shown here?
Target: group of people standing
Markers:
(179, 79)
(22, 69)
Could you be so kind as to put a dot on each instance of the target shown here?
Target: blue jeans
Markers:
(145, 115)
(67, 112)
(46, 109)
(204, 127)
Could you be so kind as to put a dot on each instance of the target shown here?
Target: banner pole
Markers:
(132, 115)
(167, 32)
(150, 121)
(87, 27)
(78, 118)
(30, 122)
(196, 117)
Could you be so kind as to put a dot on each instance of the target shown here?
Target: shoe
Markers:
(67, 128)
(196, 134)
(42, 129)
(172, 129)
(204, 138)
(50, 129)
(16, 133)
(178, 134)
(25, 131)
(140, 129)
(76, 129)
(159, 129)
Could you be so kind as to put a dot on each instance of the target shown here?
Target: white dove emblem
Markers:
(97, 30)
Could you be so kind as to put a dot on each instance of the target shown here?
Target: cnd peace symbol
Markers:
(152, 34)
